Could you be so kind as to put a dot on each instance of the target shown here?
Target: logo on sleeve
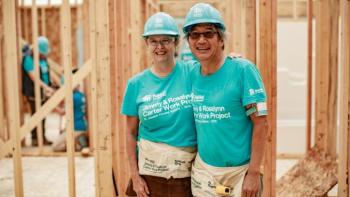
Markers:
(256, 91)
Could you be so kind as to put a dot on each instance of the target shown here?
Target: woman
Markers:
(157, 105)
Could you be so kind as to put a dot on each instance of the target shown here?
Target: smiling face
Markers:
(162, 48)
(205, 42)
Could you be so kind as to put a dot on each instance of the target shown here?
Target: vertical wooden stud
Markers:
(43, 21)
(101, 67)
(267, 63)
(344, 130)
(37, 89)
(327, 16)
(10, 54)
(136, 36)
(3, 131)
(249, 29)
(309, 75)
(65, 15)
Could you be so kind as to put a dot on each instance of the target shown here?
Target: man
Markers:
(229, 103)
(28, 80)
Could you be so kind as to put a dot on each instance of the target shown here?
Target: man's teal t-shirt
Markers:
(28, 65)
(79, 105)
(224, 132)
(163, 106)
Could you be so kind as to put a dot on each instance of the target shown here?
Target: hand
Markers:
(140, 186)
(49, 91)
(235, 55)
(251, 185)
(59, 110)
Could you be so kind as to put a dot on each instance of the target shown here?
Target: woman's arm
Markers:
(139, 184)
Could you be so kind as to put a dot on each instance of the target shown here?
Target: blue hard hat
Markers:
(160, 24)
(43, 45)
(203, 13)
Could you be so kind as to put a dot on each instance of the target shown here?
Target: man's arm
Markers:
(48, 90)
(251, 182)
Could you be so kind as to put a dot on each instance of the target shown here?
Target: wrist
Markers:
(254, 172)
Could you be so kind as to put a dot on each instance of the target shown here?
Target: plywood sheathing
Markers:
(312, 176)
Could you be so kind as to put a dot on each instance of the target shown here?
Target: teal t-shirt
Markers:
(79, 105)
(28, 65)
(224, 131)
(163, 105)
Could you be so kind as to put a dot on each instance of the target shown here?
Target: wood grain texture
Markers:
(326, 82)
(312, 176)
(344, 93)
(267, 57)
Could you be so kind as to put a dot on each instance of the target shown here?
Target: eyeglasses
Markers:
(164, 42)
(206, 34)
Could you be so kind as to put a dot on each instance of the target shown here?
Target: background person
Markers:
(28, 79)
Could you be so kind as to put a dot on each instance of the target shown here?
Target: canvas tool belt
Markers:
(162, 160)
(209, 180)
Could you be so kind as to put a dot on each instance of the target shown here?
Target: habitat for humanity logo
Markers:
(255, 91)
(197, 98)
(153, 97)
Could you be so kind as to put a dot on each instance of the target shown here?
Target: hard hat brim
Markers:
(188, 26)
(160, 32)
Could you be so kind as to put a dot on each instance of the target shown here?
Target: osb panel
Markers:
(312, 176)
(52, 21)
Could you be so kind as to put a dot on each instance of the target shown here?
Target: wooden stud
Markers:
(236, 27)
(136, 33)
(123, 67)
(267, 63)
(309, 75)
(326, 75)
(43, 22)
(19, 60)
(10, 54)
(25, 24)
(249, 30)
(47, 152)
(295, 9)
(3, 132)
(344, 130)
(101, 66)
(67, 64)
(88, 82)
(93, 78)
(37, 88)
(113, 55)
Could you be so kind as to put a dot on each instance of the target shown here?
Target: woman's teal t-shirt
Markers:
(224, 132)
(163, 105)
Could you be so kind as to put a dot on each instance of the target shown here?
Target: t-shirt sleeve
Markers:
(129, 106)
(28, 64)
(253, 86)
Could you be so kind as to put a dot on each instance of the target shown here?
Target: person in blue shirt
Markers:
(159, 115)
(80, 123)
(28, 80)
(229, 103)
